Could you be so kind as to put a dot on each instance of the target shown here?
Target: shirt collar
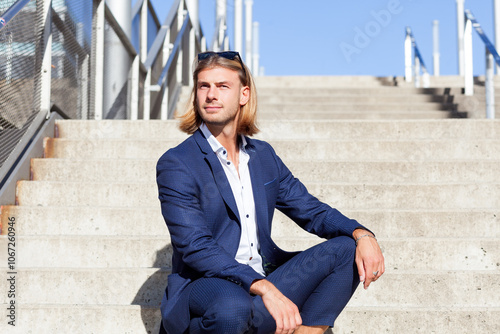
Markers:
(214, 143)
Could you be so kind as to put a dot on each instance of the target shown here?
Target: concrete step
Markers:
(448, 81)
(359, 150)
(119, 129)
(293, 129)
(321, 81)
(83, 319)
(327, 171)
(148, 221)
(418, 320)
(358, 115)
(343, 196)
(342, 98)
(327, 108)
(139, 319)
(80, 286)
(144, 286)
(380, 130)
(400, 254)
(380, 91)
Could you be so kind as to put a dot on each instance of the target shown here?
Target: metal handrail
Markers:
(12, 12)
(220, 38)
(413, 66)
(175, 49)
(160, 37)
(492, 57)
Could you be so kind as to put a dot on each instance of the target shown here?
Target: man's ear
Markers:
(244, 95)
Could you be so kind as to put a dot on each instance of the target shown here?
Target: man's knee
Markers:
(230, 314)
(343, 247)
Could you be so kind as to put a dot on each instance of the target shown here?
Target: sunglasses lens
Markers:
(225, 54)
(231, 55)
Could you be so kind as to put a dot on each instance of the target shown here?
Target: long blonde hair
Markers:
(191, 120)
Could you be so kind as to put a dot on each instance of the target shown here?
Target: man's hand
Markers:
(369, 258)
(283, 310)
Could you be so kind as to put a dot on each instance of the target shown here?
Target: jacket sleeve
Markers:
(306, 210)
(191, 237)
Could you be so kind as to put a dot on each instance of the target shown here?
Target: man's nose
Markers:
(212, 93)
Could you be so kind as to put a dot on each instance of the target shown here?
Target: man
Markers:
(218, 192)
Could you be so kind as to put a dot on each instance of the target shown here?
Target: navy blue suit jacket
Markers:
(202, 217)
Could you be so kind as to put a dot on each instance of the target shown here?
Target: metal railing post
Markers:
(46, 48)
(180, 54)
(99, 59)
(238, 26)
(460, 37)
(134, 89)
(436, 55)
(248, 33)
(417, 72)
(490, 85)
(144, 55)
(192, 54)
(408, 57)
(468, 59)
(117, 60)
(167, 48)
(255, 49)
(496, 10)
(85, 88)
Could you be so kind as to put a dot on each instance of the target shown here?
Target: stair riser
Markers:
(107, 252)
(342, 98)
(312, 92)
(348, 107)
(314, 150)
(355, 172)
(364, 115)
(145, 287)
(50, 319)
(347, 197)
(292, 129)
(149, 222)
(134, 319)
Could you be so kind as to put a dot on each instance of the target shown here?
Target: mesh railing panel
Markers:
(19, 78)
(71, 45)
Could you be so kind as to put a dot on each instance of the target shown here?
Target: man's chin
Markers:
(214, 122)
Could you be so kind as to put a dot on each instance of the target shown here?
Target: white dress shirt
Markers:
(241, 185)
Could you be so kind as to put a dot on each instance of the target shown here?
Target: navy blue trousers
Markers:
(319, 280)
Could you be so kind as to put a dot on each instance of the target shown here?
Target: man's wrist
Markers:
(361, 231)
(259, 286)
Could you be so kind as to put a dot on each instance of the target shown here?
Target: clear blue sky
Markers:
(314, 37)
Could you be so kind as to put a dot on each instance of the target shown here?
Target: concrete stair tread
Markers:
(411, 150)
(369, 171)
(344, 196)
(361, 319)
(89, 251)
(321, 116)
(144, 286)
(65, 220)
(348, 308)
(348, 129)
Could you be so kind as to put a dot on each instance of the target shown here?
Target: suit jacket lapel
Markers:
(218, 173)
(259, 192)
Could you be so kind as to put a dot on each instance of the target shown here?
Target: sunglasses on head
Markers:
(231, 55)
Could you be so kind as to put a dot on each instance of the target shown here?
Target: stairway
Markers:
(93, 251)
